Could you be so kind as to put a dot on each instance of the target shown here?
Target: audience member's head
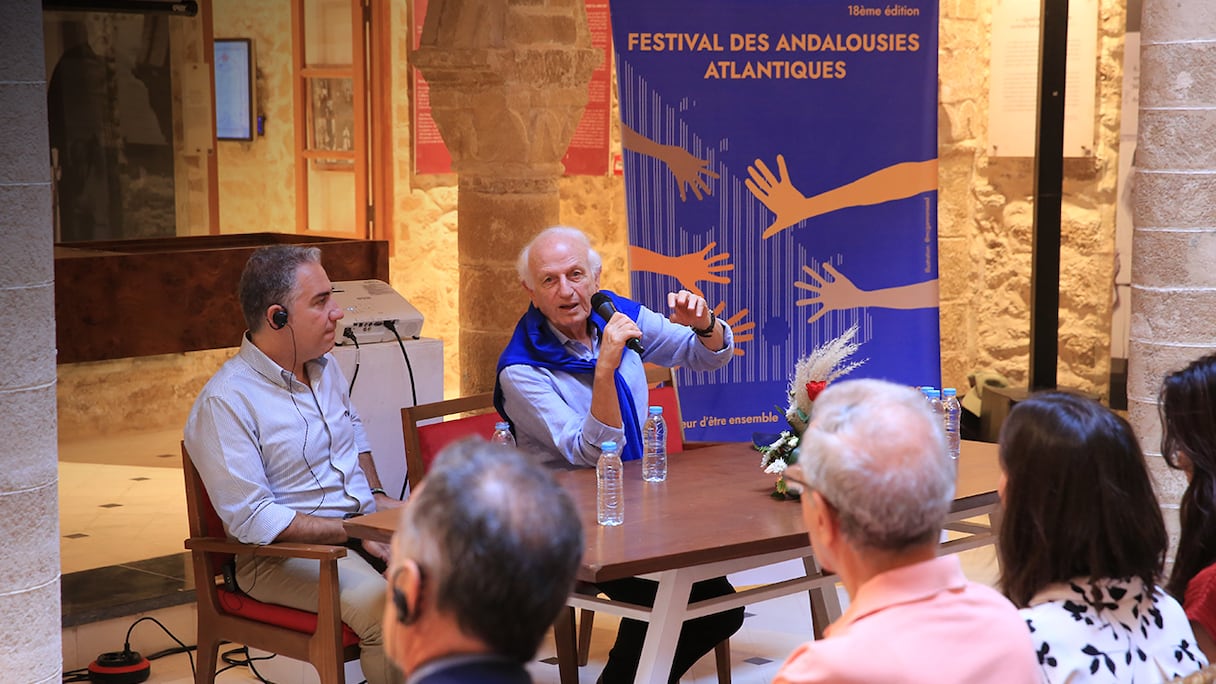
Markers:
(875, 471)
(483, 560)
(1188, 443)
(269, 278)
(1078, 501)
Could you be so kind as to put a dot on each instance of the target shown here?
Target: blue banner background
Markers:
(831, 132)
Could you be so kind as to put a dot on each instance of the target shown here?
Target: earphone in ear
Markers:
(403, 607)
(278, 319)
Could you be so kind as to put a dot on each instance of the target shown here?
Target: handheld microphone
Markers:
(603, 306)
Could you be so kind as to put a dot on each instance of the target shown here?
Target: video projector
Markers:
(366, 305)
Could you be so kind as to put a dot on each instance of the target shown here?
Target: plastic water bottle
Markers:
(935, 403)
(502, 434)
(654, 443)
(609, 488)
(952, 411)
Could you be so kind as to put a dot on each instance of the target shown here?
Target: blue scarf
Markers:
(534, 344)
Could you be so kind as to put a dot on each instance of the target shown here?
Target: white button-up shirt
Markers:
(268, 446)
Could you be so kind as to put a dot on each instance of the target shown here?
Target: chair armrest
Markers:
(278, 549)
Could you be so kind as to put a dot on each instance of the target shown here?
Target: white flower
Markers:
(776, 467)
(781, 440)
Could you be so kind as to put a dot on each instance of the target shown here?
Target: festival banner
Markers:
(781, 159)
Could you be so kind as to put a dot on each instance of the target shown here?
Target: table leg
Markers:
(666, 619)
(566, 644)
(825, 602)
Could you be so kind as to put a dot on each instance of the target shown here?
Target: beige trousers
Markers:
(293, 582)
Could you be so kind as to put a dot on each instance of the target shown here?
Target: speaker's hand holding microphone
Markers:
(620, 331)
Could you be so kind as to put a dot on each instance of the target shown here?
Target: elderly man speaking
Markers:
(877, 485)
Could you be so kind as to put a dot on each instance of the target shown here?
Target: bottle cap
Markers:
(949, 392)
(608, 446)
(502, 425)
(656, 410)
(934, 394)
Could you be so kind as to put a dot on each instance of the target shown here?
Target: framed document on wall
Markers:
(234, 79)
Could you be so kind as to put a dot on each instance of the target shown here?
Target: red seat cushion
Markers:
(434, 437)
(279, 616)
(666, 397)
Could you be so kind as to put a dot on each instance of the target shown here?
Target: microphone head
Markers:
(602, 305)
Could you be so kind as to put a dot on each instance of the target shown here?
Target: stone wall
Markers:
(985, 219)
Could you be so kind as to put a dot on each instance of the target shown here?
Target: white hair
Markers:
(573, 235)
(877, 453)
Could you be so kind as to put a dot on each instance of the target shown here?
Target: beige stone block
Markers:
(479, 356)
(1150, 362)
(27, 336)
(25, 154)
(1166, 199)
(1177, 75)
(28, 452)
(29, 629)
(1177, 21)
(29, 521)
(21, 34)
(1180, 316)
(485, 305)
(27, 234)
(1169, 483)
(1180, 258)
(526, 27)
(955, 270)
(1166, 139)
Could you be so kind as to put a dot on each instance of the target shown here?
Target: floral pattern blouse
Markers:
(1110, 631)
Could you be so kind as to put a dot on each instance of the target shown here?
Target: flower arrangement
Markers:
(812, 374)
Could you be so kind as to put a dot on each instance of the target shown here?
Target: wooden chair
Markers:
(424, 442)
(225, 615)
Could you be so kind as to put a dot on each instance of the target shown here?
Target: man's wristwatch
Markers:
(377, 490)
(708, 331)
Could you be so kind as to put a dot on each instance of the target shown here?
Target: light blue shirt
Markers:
(551, 410)
(268, 445)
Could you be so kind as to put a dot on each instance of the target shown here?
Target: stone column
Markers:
(508, 84)
(1174, 217)
(30, 644)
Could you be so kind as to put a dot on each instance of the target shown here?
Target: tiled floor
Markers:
(122, 519)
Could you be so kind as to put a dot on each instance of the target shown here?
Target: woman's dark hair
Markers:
(1078, 499)
(1188, 418)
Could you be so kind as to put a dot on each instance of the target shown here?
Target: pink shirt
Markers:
(920, 623)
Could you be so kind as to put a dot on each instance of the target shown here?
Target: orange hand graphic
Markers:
(687, 268)
(777, 193)
(831, 295)
(687, 170)
(894, 182)
(741, 331)
(836, 293)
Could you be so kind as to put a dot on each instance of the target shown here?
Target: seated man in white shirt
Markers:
(282, 452)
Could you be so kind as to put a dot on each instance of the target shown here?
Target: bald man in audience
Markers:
(481, 564)
(877, 483)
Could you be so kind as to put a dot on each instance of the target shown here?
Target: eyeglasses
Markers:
(794, 474)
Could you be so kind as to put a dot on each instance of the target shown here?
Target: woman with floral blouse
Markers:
(1082, 544)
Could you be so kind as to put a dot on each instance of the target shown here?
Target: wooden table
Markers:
(713, 517)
